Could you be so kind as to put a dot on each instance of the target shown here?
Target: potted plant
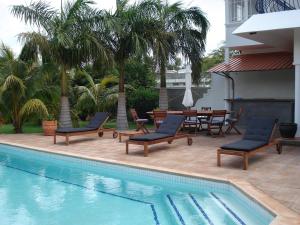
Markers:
(49, 125)
(288, 130)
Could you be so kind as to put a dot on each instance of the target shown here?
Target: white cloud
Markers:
(10, 26)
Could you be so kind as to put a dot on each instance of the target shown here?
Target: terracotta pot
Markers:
(49, 127)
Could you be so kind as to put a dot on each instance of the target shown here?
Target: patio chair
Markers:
(159, 116)
(167, 132)
(203, 118)
(216, 122)
(95, 126)
(140, 123)
(258, 137)
(232, 122)
(190, 119)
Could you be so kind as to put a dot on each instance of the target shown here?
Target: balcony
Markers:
(239, 11)
(269, 6)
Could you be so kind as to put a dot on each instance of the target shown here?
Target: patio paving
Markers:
(276, 175)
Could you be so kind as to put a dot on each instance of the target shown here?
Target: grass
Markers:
(31, 128)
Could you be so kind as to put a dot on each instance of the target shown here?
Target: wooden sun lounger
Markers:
(163, 133)
(243, 147)
(157, 141)
(85, 130)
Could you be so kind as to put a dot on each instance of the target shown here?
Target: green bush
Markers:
(143, 100)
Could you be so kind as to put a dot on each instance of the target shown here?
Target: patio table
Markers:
(180, 112)
(286, 141)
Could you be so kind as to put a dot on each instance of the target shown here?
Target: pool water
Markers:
(46, 189)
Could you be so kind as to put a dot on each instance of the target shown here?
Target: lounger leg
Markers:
(54, 138)
(245, 156)
(67, 139)
(146, 149)
(120, 138)
(219, 158)
(127, 147)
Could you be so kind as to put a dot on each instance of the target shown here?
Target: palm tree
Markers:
(97, 97)
(17, 88)
(66, 37)
(179, 31)
(129, 34)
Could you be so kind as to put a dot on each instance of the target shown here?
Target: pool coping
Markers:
(283, 215)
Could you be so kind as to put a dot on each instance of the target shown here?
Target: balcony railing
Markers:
(268, 6)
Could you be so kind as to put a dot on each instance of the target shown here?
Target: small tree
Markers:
(17, 88)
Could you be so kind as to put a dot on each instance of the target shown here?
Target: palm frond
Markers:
(34, 107)
(36, 13)
(15, 84)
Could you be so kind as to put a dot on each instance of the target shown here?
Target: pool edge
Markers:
(283, 215)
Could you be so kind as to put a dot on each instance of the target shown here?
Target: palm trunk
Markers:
(65, 112)
(163, 92)
(122, 122)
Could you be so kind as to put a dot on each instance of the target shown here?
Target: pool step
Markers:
(184, 211)
(201, 209)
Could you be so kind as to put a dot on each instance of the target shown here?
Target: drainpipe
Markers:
(297, 77)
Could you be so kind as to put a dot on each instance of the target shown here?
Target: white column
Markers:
(297, 77)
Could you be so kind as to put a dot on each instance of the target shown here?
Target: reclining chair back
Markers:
(98, 120)
(260, 129)
(171, 124)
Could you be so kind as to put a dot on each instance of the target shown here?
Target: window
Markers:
(237, 10)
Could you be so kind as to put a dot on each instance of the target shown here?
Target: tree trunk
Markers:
(163, 99)
(163, 93)
(65, 114)
(122, 123)
(17, 127)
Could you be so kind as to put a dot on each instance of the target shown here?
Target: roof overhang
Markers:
(271, 29)
(256, 62)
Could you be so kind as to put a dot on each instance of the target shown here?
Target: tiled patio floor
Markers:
(276, 175)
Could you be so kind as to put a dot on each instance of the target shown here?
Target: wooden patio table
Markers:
(180, 112)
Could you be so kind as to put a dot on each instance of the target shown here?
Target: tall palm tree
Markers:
(17, 88)
(179, 31)
(129, 34)
(66, 37)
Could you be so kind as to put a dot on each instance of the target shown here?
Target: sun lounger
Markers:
(167, 132)
(94, 126)
(257, 138)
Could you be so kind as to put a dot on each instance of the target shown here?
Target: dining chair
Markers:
(203, 117)
(233, 121)
(140, 123)
(191, 119)
(216, 122)
(159, 116)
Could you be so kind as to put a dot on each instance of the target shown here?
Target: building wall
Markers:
(270, 84)
(215, 95)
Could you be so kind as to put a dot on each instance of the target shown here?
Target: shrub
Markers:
(143, 100)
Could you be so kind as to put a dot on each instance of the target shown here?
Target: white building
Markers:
(264, 78)
(176, 79)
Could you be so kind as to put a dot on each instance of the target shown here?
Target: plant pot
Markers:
(288, 130)
(49, 127)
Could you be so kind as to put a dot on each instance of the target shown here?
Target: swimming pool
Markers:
(42, 189)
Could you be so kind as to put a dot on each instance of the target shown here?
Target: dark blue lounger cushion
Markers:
(94, 124)
(168, 128)
(171, 124)
(149, 137)
(98, 120)
(260, 129)
(258, 133)
(73, 130)
(244, 145)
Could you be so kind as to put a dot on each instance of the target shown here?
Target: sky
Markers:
(10, 26)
